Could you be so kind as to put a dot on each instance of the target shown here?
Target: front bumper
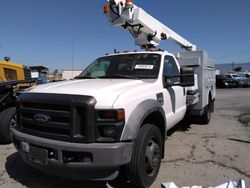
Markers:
(90, 161)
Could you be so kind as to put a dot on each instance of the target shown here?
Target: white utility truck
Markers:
(110, 123)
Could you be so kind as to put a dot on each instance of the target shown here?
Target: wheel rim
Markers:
(13, 121)
(152, 157)
(12, 124)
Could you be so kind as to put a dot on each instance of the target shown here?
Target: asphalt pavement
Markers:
(206, 155)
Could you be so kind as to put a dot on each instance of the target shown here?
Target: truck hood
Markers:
(105, 91)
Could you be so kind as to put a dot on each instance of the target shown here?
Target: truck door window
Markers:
(171, 69)
(10, 74)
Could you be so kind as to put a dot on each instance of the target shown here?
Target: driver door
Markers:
(174, 96)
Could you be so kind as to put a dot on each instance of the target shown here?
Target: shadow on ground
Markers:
(33, 178)
(184, 125)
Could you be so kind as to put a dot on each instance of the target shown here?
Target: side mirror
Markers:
(187, 77)
(184, 79)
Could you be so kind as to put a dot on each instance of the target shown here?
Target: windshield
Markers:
(130, 66)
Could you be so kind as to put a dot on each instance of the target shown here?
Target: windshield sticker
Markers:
(144, 66)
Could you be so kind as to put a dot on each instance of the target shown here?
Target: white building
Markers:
(68, 74)
(217, 72)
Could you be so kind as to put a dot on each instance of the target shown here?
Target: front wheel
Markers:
(146, 156)
(7, 120)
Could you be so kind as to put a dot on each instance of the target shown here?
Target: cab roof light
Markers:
(129, 2)
(105, 8)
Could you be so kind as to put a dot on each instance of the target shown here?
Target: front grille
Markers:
(57, 116)
(59, 122)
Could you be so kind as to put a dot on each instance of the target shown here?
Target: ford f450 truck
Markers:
(112, 120)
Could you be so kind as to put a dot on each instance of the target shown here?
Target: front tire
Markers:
(7, 119)
(146, 156)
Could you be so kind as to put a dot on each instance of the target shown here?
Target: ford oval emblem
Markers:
(41, 118)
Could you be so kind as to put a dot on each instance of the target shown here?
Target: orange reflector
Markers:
(105, 8)
(121, 115)
(129, 1)
(112, 114)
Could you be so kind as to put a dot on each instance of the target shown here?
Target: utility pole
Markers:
(73, 58)
(232, 66)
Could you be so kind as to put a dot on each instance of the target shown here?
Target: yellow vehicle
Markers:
(13, 77)
(10, 71)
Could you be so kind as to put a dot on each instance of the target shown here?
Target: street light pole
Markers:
(73, 58)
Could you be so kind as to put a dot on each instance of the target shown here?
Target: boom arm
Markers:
(147, 31)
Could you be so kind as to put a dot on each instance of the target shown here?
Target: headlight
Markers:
(110, 125)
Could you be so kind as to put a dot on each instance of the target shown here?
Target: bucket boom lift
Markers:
(146, 30)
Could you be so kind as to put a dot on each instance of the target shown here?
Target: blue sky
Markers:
(41, 32)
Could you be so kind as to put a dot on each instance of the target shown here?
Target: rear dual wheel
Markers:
(206, 116)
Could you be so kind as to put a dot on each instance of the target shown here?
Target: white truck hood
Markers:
(105, 91)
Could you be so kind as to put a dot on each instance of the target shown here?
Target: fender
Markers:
(137, 117)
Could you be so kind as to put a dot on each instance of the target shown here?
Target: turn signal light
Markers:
(121, 115)
(107, 114)
(112, 114)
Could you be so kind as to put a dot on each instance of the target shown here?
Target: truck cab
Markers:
(119, 107)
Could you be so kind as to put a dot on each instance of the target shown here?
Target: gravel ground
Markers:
(206, 155)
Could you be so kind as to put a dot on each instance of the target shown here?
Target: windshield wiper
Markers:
(120, 76)
(85, 77)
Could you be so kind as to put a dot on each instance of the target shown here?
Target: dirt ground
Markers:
(206, 155)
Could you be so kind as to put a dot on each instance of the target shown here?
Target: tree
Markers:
(55, 72)
(237, 69)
